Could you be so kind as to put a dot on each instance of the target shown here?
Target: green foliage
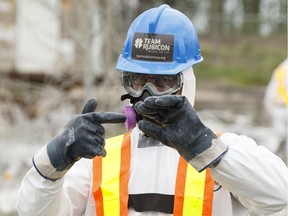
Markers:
(240, 59)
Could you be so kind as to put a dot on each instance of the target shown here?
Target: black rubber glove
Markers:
(173, 121)
(83, 136)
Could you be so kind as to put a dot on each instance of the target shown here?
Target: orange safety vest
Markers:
(193, 190)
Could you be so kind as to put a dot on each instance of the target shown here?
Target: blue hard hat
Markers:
(161, 40)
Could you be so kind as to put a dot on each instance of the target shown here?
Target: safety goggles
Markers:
(156, 85)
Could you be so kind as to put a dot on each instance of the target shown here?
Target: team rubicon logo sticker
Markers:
(153, 47)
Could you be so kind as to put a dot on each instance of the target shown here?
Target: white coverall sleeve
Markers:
(67, 196)
(254, 175)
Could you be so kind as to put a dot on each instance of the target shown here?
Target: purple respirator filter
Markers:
(130, 122)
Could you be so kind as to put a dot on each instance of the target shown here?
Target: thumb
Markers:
(90, 106)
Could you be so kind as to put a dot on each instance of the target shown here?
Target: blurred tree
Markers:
(270, 16)
(96, 29)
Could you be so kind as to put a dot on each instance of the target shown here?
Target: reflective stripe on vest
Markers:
(193, 190)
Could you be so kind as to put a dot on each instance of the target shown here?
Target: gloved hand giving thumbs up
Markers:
(83, 136)
(174, 122)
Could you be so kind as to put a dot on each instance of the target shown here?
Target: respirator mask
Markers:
(140, 86)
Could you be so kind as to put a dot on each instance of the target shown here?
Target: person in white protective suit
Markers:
(276, 105)
(170, 163)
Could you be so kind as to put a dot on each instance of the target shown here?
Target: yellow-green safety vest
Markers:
(193, 190)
